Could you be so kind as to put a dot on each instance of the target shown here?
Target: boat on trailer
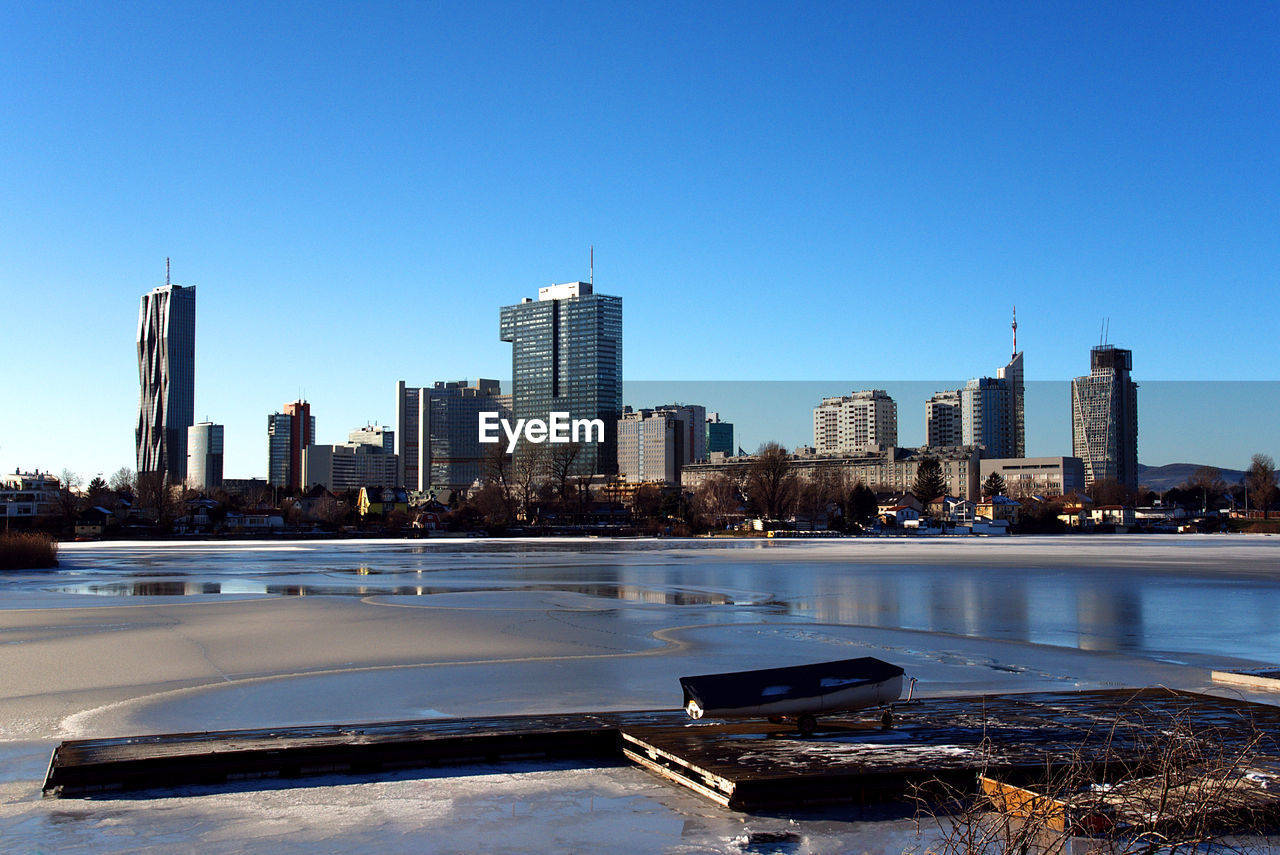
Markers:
(800, 693)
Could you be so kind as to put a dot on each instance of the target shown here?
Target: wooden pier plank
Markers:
(746, 764)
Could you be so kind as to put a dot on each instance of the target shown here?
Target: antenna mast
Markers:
(1015, 330)
(592, 268)
(166, 271)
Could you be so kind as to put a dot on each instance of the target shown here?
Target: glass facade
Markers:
(166, 378)
(1104, 418)
(566, 356)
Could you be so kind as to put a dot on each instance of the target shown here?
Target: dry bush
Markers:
(27, 551)
(1146, 784)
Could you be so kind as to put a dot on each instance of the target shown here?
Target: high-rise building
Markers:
(288, 435)
(691, 420)
(1104, 418)
(167, 379)
(988, 412)
(566, 356)
(649, 446)
(438, 431)
(944, 426)
(654, 445)
(719, 435)
(204, 456)
(855, 423)
(1011, 375)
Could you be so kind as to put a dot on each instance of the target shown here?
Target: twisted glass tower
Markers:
(167, 380)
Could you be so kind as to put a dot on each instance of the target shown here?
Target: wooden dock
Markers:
(744, 765)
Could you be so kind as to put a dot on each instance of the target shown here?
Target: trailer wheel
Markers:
(886, 720)
(806, 724)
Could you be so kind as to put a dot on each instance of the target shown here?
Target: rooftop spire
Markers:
(1015, 330)
(166, 271)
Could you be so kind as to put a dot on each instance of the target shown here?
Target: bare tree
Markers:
(816, 495)
(123, 481)
(1260, 481)
(717, 498)
(771, 485)
(1109, 491)
(70, 501)
(528, 472)
(159, 497)
(560, 464)
(646, 501)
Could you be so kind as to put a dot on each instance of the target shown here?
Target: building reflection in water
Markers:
(1109, 618)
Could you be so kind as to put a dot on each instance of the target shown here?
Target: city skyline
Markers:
(840, 194)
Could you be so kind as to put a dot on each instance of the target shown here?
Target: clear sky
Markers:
(778, 192)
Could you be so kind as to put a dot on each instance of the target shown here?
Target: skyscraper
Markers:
(288, 435)
(566, 356)
(988, 412)
(204, 456)
(167, 379)
(438, 432)
(1104, 418)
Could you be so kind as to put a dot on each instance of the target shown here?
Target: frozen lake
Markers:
(136, 638)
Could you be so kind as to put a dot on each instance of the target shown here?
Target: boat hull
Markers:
(821, 689)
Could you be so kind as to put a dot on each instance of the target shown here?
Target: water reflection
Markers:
(1120, 609)
(630, 593)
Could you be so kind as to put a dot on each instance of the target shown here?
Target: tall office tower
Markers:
(719, 435)
(1011, 376)
(856, 423)
(438, 432)
(988, 412)
(566, 356)
(943, 424)
(985, 416)
(204, 456)
(288, 435)
(1104, 418)
(167, 379)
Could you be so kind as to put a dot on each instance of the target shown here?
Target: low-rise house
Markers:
(380, 501)
(898, 515)
(1114, 515)
(999, 508)
(887, 501)
(94, 522)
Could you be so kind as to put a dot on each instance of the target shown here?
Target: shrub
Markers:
(27, 551)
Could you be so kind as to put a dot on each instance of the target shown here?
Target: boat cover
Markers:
(796, 687)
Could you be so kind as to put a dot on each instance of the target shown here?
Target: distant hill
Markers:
(1161, 478)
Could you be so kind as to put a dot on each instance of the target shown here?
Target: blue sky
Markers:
(833, 192)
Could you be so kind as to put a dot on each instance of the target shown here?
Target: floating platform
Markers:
(89, 766)
(744, 765)
(1267, 679)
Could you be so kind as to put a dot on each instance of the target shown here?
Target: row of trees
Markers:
(538, 484)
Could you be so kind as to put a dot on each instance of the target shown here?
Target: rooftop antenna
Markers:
(1102, 332)
(1015, 330)
(166, 271)
(1107, 334)
(592, 274)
